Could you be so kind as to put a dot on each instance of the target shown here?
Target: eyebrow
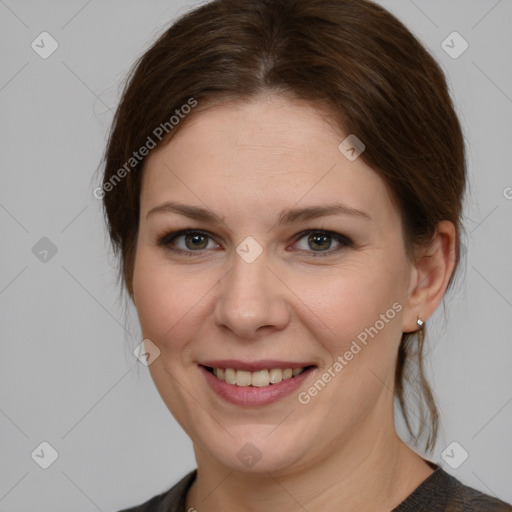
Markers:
(286, 217)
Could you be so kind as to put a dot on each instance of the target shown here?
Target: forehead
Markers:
(255, 154)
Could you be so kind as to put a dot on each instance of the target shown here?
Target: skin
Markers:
(248, 162)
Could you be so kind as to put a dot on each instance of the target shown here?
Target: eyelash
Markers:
(166, 240)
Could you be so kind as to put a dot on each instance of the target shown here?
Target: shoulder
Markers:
(443, 492)
(171, 500)
(471, 500)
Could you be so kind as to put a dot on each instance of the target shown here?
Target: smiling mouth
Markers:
(260, 379)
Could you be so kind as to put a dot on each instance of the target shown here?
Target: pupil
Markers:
(322, 241)
(319, 238)
(195, 237)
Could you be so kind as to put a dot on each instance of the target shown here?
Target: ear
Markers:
(430, 275)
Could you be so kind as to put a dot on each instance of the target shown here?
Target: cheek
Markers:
(358, 322)
(337, 305)
(355, 296)
(156, 297)
(168, 301)
(360, 304)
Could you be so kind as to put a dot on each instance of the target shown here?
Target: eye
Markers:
(192, 241)
(320, 241)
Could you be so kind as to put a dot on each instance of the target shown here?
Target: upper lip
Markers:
(254, 366)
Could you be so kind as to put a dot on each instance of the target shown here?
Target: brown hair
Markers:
(376, 78)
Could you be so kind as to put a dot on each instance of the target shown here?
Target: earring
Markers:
(420, 322)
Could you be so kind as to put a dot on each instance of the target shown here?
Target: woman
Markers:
(283, 184)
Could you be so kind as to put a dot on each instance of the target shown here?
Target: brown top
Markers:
(440, 492)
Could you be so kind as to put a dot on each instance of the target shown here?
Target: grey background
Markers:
(67, 373)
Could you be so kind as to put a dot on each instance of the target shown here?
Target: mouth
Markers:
(255, 384)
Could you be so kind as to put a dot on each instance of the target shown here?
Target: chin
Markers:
(253, 451)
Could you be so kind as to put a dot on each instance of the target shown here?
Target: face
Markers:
(253, 287)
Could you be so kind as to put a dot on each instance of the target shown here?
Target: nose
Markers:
(252, 302)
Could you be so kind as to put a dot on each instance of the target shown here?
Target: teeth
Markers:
(243, 378)
(275, 376)
(258, 379)
(230, 376)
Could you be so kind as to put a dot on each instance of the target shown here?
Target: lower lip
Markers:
(252, 395)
